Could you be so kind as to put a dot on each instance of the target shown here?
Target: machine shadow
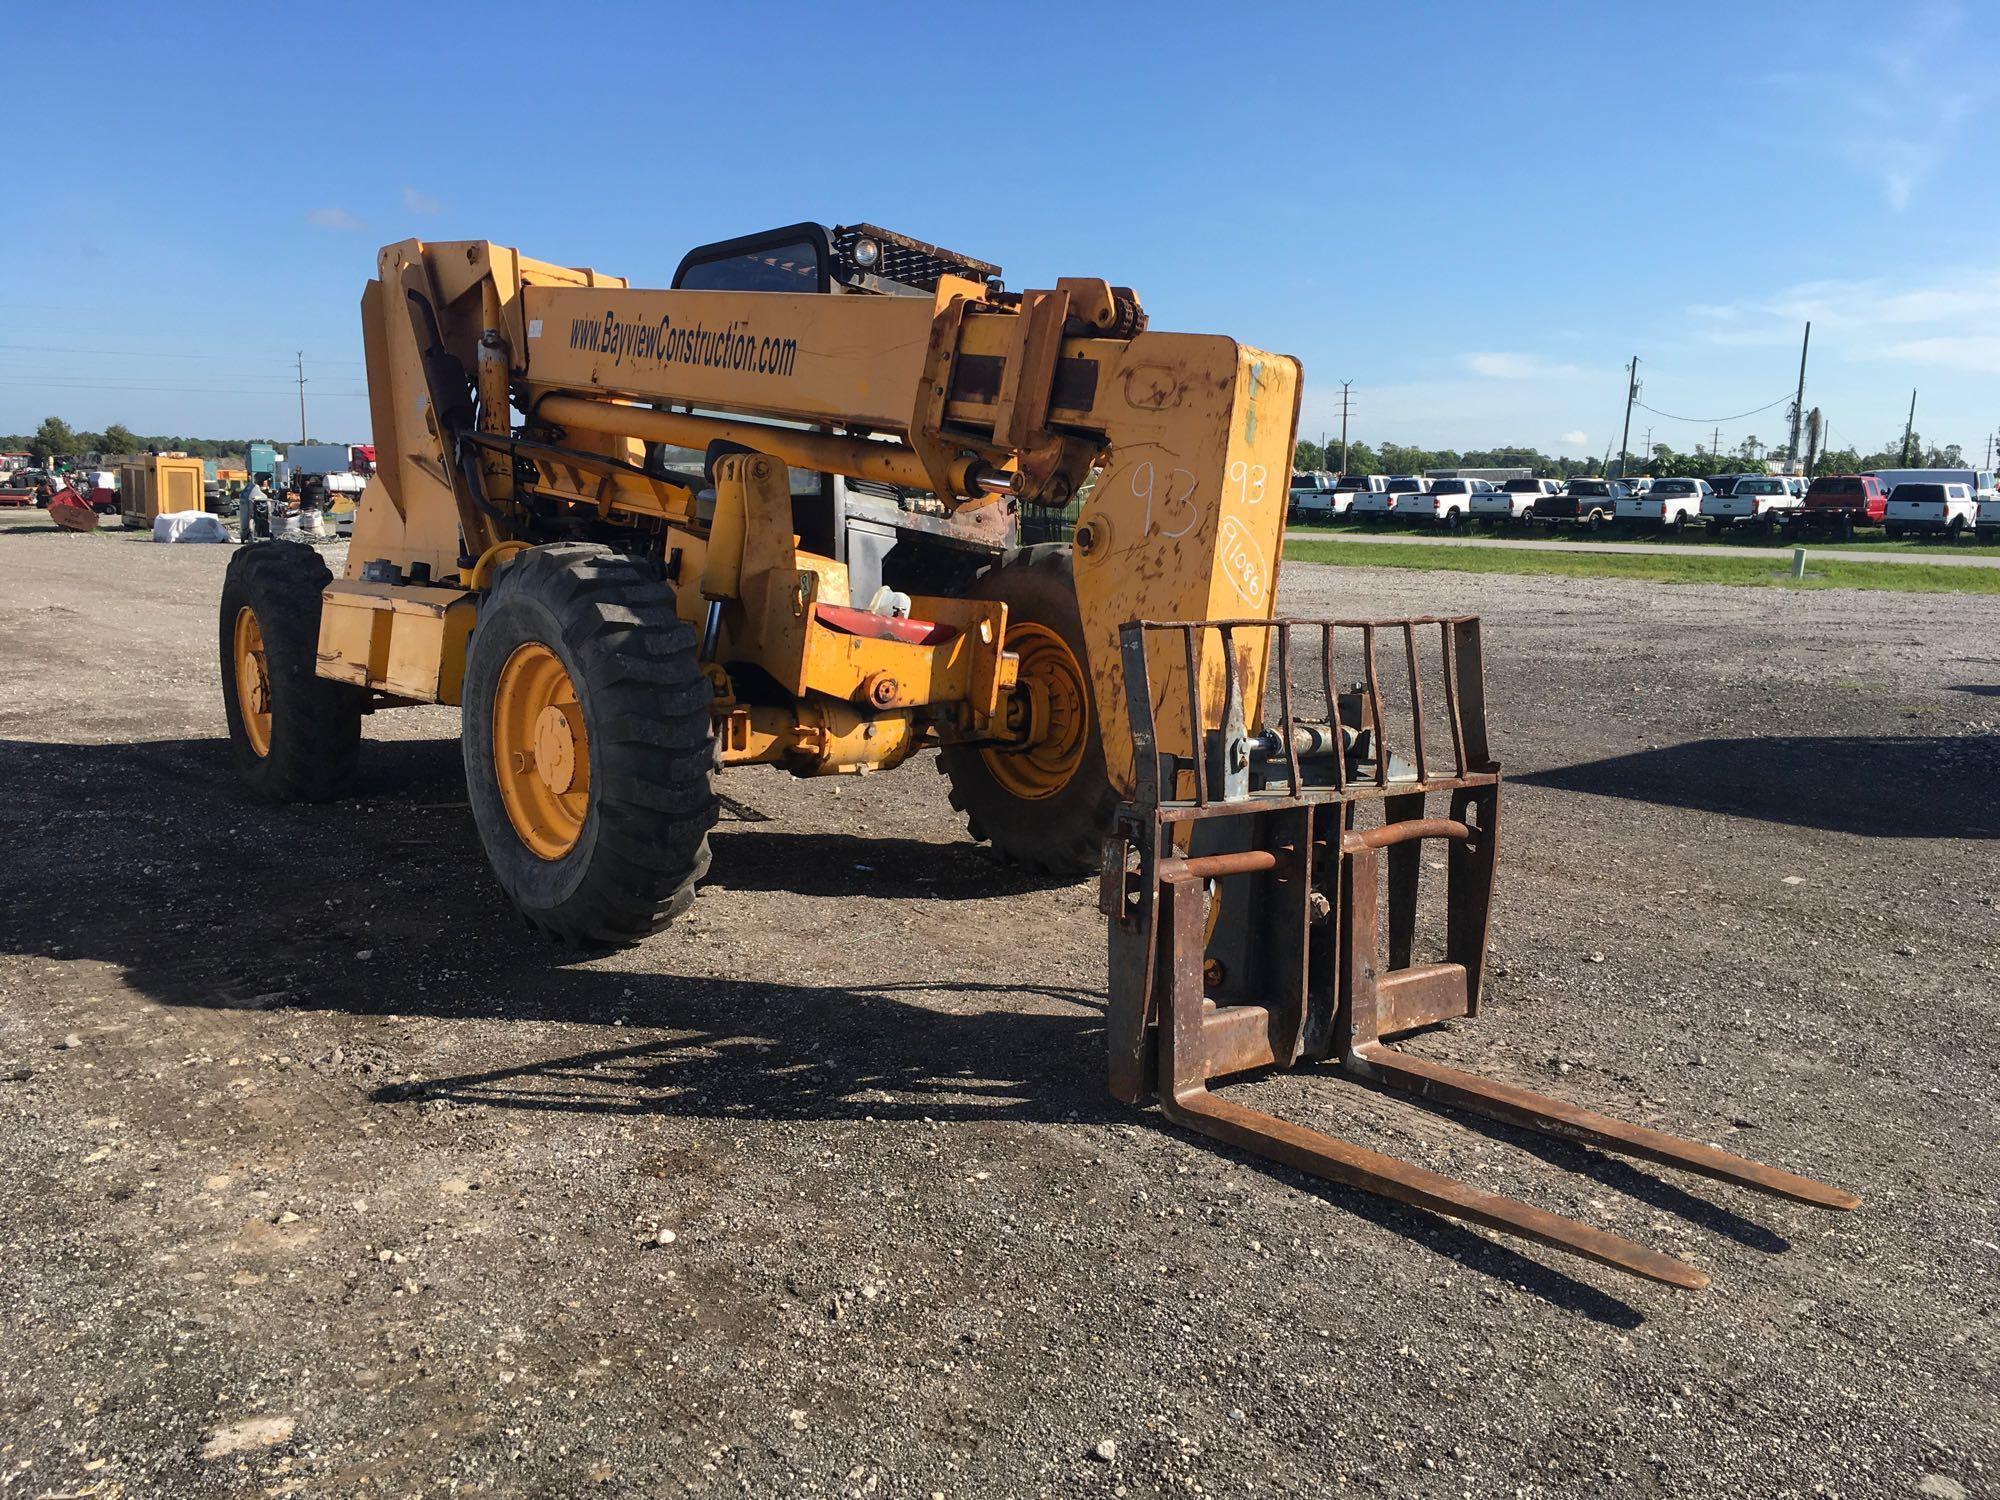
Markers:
(845, 864)
(752, 1051)
(1875, 786)
(219, 904)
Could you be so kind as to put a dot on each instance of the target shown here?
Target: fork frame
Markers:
(1245, 905)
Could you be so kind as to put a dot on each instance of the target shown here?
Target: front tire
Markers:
(296, 735)
(1047, 805)
(588, 745)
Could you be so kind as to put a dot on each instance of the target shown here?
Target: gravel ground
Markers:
(324, 1178)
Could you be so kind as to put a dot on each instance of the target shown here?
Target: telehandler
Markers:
(772, 515)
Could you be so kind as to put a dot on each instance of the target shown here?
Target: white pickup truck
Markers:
(1350, 487)
(1512, 501)
(1667, 503)
(1751, 500)
(1312, 497)
(1377, 505)
(1447, 503)
(1946, 508)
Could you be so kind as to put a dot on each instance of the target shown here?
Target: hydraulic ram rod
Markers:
(858, 458)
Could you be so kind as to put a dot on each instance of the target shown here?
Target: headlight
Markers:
(866, 253)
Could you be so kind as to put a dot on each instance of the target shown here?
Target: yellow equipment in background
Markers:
(159, 486)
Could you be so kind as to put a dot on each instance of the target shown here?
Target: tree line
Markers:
(1664, 462)
(56, 438)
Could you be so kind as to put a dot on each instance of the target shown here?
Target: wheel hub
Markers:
(1050, 711)
(253, 680)
(541, 751)
(555, 749)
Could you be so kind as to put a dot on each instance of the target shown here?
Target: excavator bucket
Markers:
(1262, 887)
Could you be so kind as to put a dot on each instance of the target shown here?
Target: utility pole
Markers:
(1647, 448)
(1799, 405)
(302, 395)
(1631, 395)
(1345, 407)
(1909, 429)
(1715, 444)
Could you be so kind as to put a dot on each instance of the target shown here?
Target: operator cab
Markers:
(884, 535)
(815, 258)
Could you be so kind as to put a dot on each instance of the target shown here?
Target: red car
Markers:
(1845, 501)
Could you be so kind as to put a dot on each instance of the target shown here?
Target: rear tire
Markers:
(296, 735)
(598, 843)
(1048, 811)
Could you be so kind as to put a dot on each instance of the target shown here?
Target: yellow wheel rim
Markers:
(541, 754)
(253, 680)
(1053, 705)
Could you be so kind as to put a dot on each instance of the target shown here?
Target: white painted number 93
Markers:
(1249, 481)
(1173, 500)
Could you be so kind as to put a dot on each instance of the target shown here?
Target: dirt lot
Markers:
(324, 1178)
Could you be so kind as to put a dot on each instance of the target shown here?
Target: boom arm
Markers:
(986, 400)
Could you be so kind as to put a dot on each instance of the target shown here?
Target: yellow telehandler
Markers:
(773, 514)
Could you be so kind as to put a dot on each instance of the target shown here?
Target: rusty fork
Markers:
(1244, 903)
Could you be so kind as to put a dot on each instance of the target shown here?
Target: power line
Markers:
(89, 381)
(1711, 421)
(173, 354)
(172, 390)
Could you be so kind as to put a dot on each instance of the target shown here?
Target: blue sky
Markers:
(1475, 212)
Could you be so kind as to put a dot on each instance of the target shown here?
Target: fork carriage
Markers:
(1245, 896)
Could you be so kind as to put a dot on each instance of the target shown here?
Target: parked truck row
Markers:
(1949, 503)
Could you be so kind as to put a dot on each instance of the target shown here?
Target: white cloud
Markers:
(415, 202)
(1979, 353)
(1576, 439)
(333, 218)
(1893, 112)
(1872, 339)
(1870, 309)
(1499, 366)
(1462, 410)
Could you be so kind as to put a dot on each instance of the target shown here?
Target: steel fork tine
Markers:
(1358, 1167)
(1518, 1106)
